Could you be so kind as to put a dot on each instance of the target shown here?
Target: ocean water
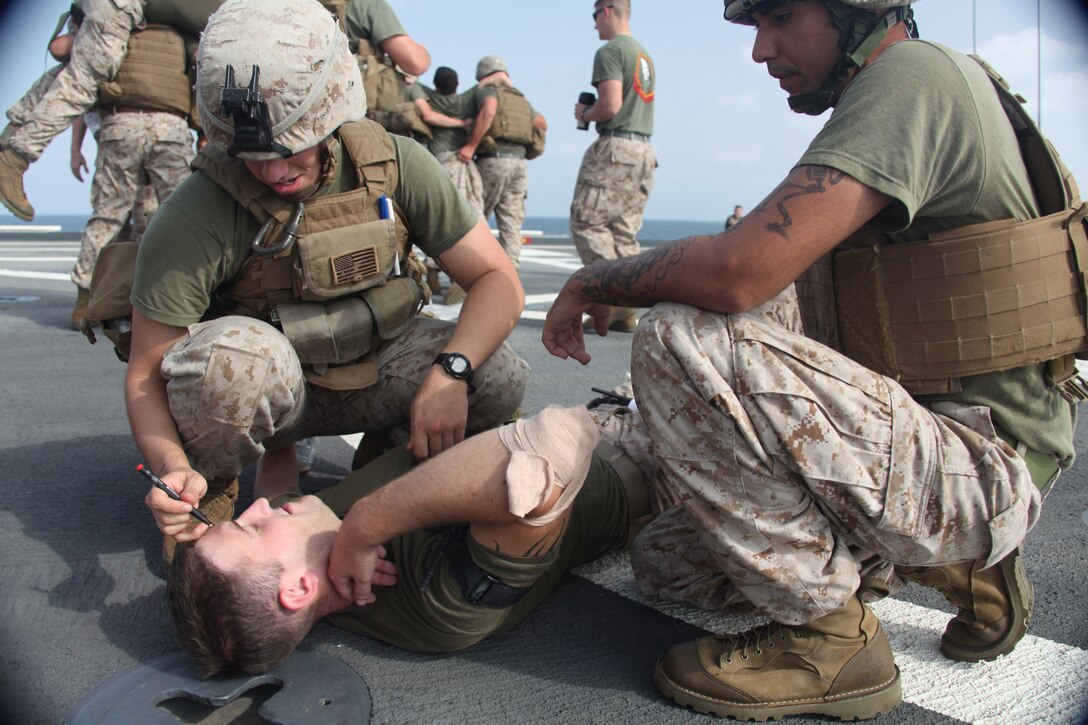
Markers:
(653, 230)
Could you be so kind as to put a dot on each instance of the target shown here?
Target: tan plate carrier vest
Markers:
(348, 284)
(153, 74)
(513, 123)
(967, 301)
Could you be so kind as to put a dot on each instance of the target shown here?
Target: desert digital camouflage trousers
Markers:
(613, 187)
(235, 386)
(21, 111)
(134, 150)
(786, 459)
(466, 178)
(506, 186)
(100, 46)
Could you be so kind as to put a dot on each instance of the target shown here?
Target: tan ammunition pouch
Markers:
(349, 283)
(536, 148)
(153, 74)
(513, 122)
(968, 301)
(111, 285)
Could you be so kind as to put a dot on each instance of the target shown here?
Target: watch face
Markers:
(458, 364)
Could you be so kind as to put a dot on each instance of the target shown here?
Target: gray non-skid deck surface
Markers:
(81, 598)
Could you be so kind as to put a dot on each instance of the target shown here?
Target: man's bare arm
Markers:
(811, 211)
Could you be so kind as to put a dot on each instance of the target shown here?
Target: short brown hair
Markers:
(620, 7)
(231, 621)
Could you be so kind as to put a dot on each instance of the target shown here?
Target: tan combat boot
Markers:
(217, 505)
(839, 665)
(83, 298)
(12, 168)
(994, 605)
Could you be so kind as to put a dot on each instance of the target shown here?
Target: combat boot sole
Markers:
(1021, 594)
(857, 705)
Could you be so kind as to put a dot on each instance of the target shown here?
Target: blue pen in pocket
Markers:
(385, 207)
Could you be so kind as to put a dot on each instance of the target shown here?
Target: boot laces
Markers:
(739, 643)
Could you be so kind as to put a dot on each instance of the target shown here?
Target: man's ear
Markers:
(298, 592)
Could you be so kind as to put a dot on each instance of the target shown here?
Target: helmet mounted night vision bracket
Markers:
(249, 111)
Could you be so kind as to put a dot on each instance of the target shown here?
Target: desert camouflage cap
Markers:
(740, 11)
(309, 79)
(490, 64)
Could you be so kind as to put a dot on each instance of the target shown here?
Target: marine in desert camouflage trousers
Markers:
(235, 386)
(22, 110)
(466, 178)
(136, 149)
(100, 46)
(506, 186)
(613, 187)
(784, 464)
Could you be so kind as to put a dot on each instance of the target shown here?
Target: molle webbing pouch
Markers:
(336, 342)
(974, 300)
(111, 285)
(332, 333)
(536, 148)
(343, 331)
(343, 261)
(393, 306)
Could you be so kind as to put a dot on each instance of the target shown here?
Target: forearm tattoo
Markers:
(818, 179)
(625, 281)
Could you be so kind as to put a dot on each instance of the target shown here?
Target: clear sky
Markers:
(723, 132)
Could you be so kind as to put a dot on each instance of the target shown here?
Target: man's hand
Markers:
(562, 334)
(173, 517)
(78, 164)
(439, 414)
(355, 566)
(466, 152)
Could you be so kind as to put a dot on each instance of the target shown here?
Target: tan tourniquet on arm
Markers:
(553, 447)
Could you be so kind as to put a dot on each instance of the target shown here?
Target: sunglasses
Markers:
(600, 10)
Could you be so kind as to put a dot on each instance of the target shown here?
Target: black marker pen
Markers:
(171, 493)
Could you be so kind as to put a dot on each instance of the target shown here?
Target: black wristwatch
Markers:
(457, 366)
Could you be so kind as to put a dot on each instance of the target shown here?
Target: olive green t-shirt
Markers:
(455, 105)
(492, 91)
(187, 15)
(923, 125)
(200, 236)
(372, 20)
(624, 59)
(440, 619)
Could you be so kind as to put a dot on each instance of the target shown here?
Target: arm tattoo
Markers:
(618, 281)
(816, 176)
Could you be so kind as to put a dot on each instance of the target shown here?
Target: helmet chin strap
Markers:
(861, 33)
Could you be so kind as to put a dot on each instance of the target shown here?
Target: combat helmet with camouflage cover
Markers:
(862, 25)
(281, 90)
